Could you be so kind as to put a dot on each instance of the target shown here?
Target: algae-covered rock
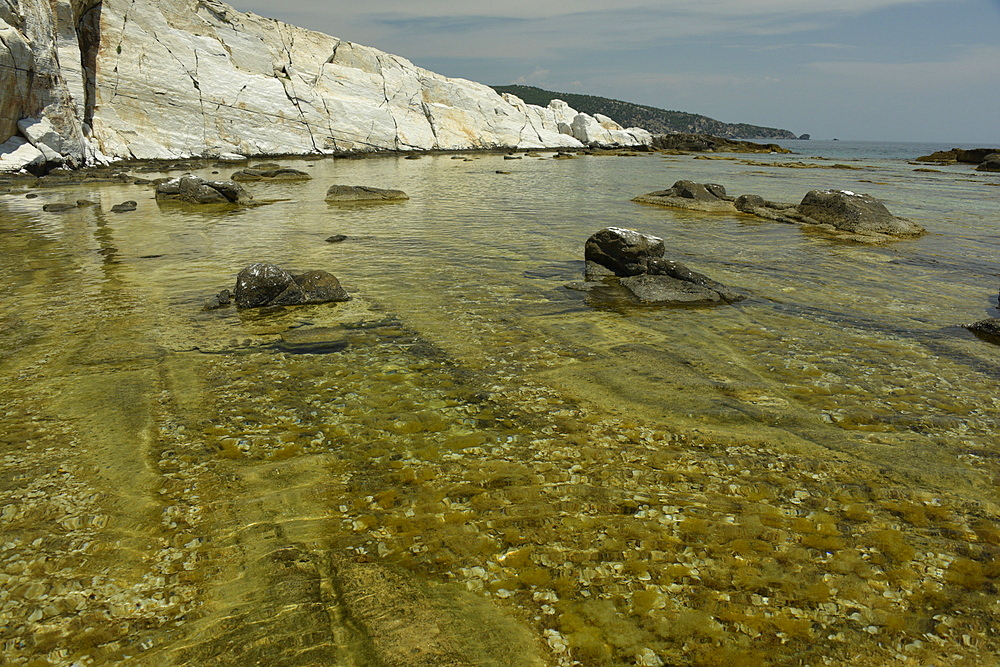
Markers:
(351, 193)
(709, 197)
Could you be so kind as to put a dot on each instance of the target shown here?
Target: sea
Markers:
(474, 461)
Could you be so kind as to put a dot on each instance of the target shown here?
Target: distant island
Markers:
(657, 121)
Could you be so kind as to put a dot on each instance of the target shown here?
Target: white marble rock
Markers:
(180, 78)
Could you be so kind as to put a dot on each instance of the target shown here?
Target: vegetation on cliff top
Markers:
(649, 118)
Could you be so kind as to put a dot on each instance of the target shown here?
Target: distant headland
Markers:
(649, 118)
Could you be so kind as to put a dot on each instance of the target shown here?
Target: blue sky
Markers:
(890, 70)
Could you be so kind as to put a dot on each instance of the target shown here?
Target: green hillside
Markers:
(657, 121)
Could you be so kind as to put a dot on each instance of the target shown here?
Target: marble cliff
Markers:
(85, 81)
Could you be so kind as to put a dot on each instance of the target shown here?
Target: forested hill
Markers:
(657, 121)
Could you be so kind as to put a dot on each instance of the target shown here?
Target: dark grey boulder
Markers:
(350, 193)
(624, 252)
(856, 213)
(637, 261)
(194, 190)
(990, 163)
(264, 284)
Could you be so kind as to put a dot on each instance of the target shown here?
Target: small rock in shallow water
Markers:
(336, 238)
(350, 193)
(125, 207)
(58, 207)
(220, 300)
(988, 329)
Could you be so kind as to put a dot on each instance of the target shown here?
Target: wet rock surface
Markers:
(990, 163)
(350, 193)
(697, 143)
(274, 174)
(125, 207)
(849, 215)
(968, 156)
(853, 212)
(709, 197)
(264, 284)
(988, 329)
(637, 261)
(195, 190)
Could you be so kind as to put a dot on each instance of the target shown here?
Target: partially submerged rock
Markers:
(349, 193)
(850, 215)
(278, 174)
(988, 329)
(264, 284)
(966, 155)
(637, 261)
(685, 142)
(990, 163)
(855, 213)
(710, 197)
(125, 207)
(194, 190)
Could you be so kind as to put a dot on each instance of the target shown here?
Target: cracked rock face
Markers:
(178, 78)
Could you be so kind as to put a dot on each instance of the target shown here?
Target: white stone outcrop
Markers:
(85, 81)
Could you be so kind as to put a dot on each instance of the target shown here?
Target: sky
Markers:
(867, 70)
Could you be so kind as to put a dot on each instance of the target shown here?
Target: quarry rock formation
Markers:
(84, 81)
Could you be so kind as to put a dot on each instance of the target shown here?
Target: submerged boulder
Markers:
(709, 197)
(349, 193)
(636, 260)
(194, 190)
(264, 284)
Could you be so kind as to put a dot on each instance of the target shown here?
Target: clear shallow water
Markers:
(807, 476)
